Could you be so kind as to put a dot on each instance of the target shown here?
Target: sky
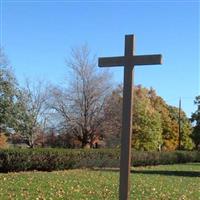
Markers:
(37, 37)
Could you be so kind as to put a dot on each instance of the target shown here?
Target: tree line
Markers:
(87, 111)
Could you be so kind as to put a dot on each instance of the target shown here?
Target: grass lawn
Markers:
(160, 182)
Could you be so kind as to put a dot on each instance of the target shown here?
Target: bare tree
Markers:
(81, 104)
(32, 110)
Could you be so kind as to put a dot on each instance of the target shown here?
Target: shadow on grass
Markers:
(155, 172)
(168, 173)
(194, 164)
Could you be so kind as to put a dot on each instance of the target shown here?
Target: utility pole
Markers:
(179, 125)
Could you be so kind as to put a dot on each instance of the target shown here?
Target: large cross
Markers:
(128, 61)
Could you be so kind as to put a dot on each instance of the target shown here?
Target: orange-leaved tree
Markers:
(3, 141)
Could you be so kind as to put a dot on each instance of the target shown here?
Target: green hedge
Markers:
(59, 159)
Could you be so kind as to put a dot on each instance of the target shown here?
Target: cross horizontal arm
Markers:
(133, 60)
(155, 59)
(111, 61)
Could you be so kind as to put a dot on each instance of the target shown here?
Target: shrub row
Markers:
(59, 159)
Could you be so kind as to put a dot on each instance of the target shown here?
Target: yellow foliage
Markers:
(3, 141)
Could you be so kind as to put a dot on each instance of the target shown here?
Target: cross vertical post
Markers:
(128, 61)
(125, 155)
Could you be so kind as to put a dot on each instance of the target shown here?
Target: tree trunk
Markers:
(85, 145)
